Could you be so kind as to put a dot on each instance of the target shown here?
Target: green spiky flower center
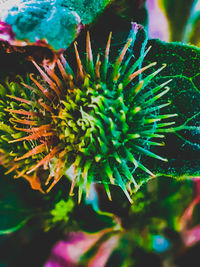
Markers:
(93, 120)
(100, 122)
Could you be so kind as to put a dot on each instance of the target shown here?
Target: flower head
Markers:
(98, 122)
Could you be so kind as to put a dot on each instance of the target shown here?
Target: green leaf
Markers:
(182, 149)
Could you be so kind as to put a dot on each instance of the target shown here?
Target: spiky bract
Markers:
(97, 122)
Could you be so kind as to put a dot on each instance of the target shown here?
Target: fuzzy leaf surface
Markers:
(183, 147)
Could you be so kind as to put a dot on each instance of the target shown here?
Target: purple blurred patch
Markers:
(191, 235)
(157, 21)
(68, 252)
(6, 32)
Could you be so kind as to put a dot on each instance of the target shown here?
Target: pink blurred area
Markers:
(68, 252)
(157, 21)
(191, 234)
(6, 32)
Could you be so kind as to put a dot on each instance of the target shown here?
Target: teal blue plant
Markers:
(57, 21)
